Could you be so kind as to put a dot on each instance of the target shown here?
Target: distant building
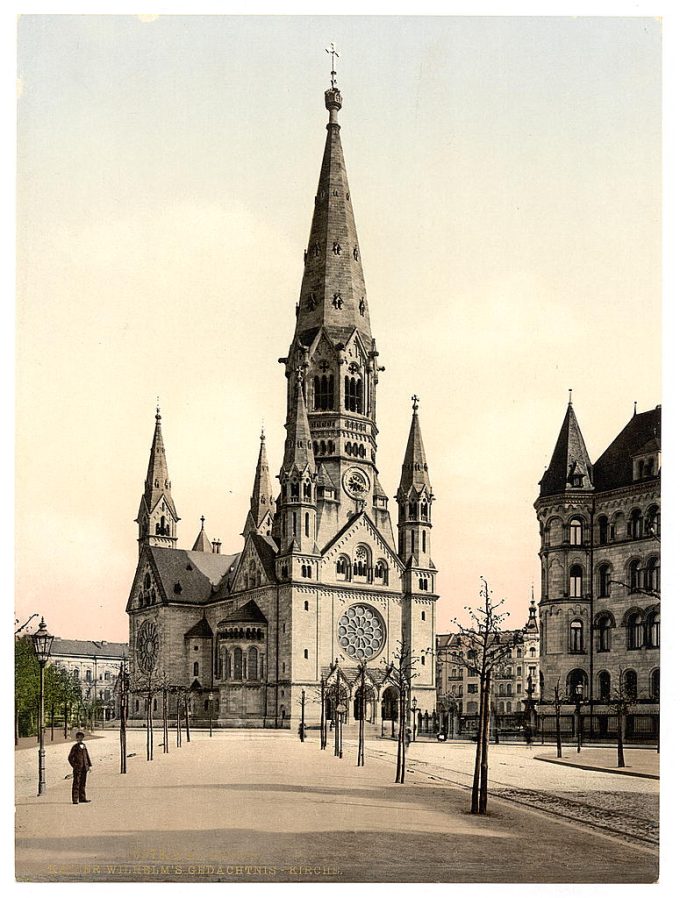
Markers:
(95, 666)
(600, 529)
(458, 686)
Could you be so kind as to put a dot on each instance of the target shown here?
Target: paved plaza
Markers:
(260, 806)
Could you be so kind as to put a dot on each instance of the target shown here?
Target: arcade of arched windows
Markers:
(323, 447)
(239, 664)
(354, 394)
(607, 528)
(361, 569)
(324, 392)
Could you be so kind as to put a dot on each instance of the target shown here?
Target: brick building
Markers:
(600, 528)
(319, 577)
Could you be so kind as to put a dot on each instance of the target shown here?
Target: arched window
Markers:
(655, 684)
(362, 563)
(424, 540)
(576, 636)
(195, 668)
(635, 629)
(603, 529)
(575, 581)
(424, 510)
(342, 568)
(604, 580)
(653, 521)
(605, 686)
(306, 520)
(577, 678)
(653, 575)
(635, 526)
(323, 392)
(575, 532)
(635, 576)
(227, 665)
(252, 663)
(238, 664)
(381, 572)
(603, 629)
(354, 394)
(294, 490)
(654, 630)
(630, 684)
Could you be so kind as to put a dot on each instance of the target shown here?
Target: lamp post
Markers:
(211, 698)
(414, 708)
(42, 645)
(578, 698)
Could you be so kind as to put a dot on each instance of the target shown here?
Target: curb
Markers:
(618, 770)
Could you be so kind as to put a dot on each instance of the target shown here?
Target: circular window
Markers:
(147, 646)
(361, 632)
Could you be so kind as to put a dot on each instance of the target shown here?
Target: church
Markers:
(319, 589)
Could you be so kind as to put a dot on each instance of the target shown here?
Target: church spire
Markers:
(262, 505)
(570, 466)
(157, 517)
(414, 472)
(202, 543)
(333, 292)
(415, 504)
(298, 452)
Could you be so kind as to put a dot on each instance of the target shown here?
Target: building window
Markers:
(195, 668)
(604, 580)
(576, 581)
(422, 615)
(306, 606)
(306, 653)
(575, 532)
(576, 636)
(653, 575)
(603, 630)
(605, 686)
(342, 568)
(654, 630)
(635, 576)
(603, 529)
(238, 664)
(636, 630)
(635, 525)
(472, 688)
(577, 678)
(655, 687)
(630, 684)
(252, 663)
(653, 521)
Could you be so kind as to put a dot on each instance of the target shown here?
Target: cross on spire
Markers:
(415, 400)
(333, 53)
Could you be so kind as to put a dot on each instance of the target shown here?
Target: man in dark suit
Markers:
(79, 759)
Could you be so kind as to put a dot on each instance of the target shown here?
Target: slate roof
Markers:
(201, 630)
(248, 613)
(570, 456)
(89, 648)
(614, 468)
(196, 572)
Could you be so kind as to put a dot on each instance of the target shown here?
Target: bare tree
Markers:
(401, 672)
(557, 701)
(482, 646)
(122, 688)
(621, 700)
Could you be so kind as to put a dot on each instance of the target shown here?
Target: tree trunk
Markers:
(123, 734)
(484, 766)
(166, 746)
(322, 728)
(186, 717)
(474, 804)
(620, 760)
(179, 721)
(558, 732)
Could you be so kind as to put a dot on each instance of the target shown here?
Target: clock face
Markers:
(356, 483)
(147, 646)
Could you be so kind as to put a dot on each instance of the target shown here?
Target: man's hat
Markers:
(80, 734)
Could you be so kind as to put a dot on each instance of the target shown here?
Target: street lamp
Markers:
(578, 698)
(414, 708)
(211, 698)
(42, 645)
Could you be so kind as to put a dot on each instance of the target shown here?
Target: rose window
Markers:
(361, 632)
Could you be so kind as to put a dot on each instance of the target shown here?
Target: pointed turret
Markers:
(415, 503)
(262, 506)
(157, 516)
(333, 292)
(298, 453)
(202, 543)
(570, 467)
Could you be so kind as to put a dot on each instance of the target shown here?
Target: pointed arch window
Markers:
(324, 388)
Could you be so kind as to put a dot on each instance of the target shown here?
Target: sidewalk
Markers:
(260, 806)
(639, 761)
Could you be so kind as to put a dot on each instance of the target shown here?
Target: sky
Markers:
(506, 184)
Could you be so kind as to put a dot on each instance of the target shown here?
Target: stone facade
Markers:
(319, 579)
(600, 529)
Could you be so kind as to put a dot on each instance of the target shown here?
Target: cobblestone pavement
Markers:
(625, 807)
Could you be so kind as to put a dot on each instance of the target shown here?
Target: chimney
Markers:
(216, 546)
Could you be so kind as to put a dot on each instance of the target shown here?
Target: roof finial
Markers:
(202, 522)
(415, 401)
(635, 408)
(333, 53)
(569, 395)
(158, 408)
(262, 431)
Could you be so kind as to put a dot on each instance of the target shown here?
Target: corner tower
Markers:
(157, 516)
(334, 353)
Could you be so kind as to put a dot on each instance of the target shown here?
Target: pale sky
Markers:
(506, 183)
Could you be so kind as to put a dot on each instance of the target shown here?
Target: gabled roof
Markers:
(200, 630)
(614, 468)
(198, 574)
(362, 517)
(249, 613)
(569, 458)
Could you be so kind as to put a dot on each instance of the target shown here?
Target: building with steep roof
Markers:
(600, 530)
(319, 582)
